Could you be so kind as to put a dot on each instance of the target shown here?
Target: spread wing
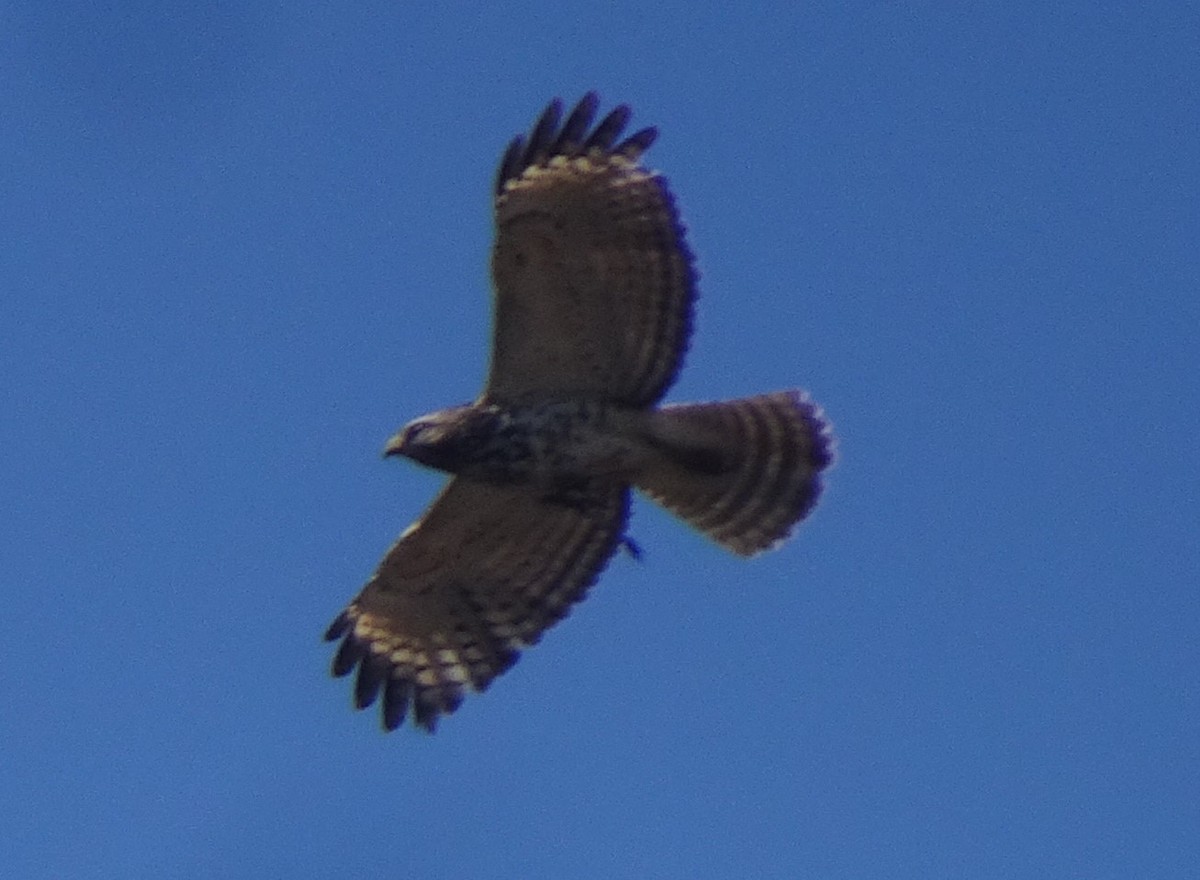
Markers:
(594, 281)
(484, 573)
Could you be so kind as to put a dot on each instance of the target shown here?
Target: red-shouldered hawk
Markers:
(594, 289)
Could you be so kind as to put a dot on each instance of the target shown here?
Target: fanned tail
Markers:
(744, 471)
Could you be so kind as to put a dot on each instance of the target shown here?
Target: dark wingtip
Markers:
(510, 164)
(543, 135)
(609, 129)
(425, 715)
(430, 705)
(338, 628)
(548, 139)
(637, 143)
(571, 138)
(347, 656)
(372, 672)
(397, 694)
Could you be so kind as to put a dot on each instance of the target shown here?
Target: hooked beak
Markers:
(394, 445)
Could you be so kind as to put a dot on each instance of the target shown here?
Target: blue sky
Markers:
(242, 244)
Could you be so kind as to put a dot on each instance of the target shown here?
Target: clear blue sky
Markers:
(242, 243)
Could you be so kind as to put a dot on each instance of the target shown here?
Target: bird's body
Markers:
(594, 295)
(550, 446)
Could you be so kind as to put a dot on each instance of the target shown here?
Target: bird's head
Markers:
(434, 440)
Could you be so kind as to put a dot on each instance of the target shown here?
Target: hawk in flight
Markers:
(594, 290)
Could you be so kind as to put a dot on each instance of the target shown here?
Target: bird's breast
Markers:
(555, 443)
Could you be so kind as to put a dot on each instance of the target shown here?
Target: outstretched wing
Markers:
(484, 573)
(594, 281)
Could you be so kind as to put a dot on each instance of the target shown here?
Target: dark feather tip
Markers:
(510, 165)
(548, 139)
(371, 674)
(570, 139)
(338, 628)
(637, 143)
(396, 696)
(432, 703)
(501, 663)
(425, 715)
(609, 129)
(347, 657)
(543, 133)
(505, 660)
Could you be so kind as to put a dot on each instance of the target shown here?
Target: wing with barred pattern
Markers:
(484, 573)
(594, 282)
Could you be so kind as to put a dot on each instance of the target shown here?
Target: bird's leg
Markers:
(632, 547)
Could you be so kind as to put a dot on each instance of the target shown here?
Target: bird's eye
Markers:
(422, 434)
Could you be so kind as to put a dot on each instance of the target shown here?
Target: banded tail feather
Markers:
(743, 471)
